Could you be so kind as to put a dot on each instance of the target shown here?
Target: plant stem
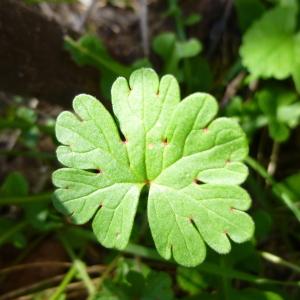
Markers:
(110, 65)
(85, 15)
(273, 159)
(143, 252)
(211, 268)
(107, 271)
(225, 280)
(31, 288)
(180, 29)
(279, 189)
(279, 261)
(64, 283)
(44, 285)
(25, 199)
(177, 14)
(80, 266)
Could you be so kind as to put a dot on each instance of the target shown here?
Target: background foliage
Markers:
(257, 83)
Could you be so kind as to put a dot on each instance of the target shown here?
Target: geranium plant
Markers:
(189, 162)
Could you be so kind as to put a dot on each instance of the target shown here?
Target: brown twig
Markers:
(232, 88)
(51, 264)
(143, 16)
(273, 158)
(44, 284)
(86, 15)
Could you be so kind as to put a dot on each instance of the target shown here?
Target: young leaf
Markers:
(35, 213)
(15, 184)
(282, 109)
(293, 183)
(89, 50)
(278, 44)
(192, 19)
(190, 164)
(172, 51)
(191, 280)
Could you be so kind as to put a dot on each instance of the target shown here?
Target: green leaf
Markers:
(192, 19)
(268, 48)
(15, 184)
(191, 280)
(293, 183)
(89, 50)
(16, 237)
(156, 285)
(289, 114)
(278, 131)
(267, 102)
(282, 109)
(172, 51)
(36, 213)
(27, 114)
(190, 164)
(110, 291)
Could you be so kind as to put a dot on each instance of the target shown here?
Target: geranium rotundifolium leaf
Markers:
(276, 55)
(190, 163)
